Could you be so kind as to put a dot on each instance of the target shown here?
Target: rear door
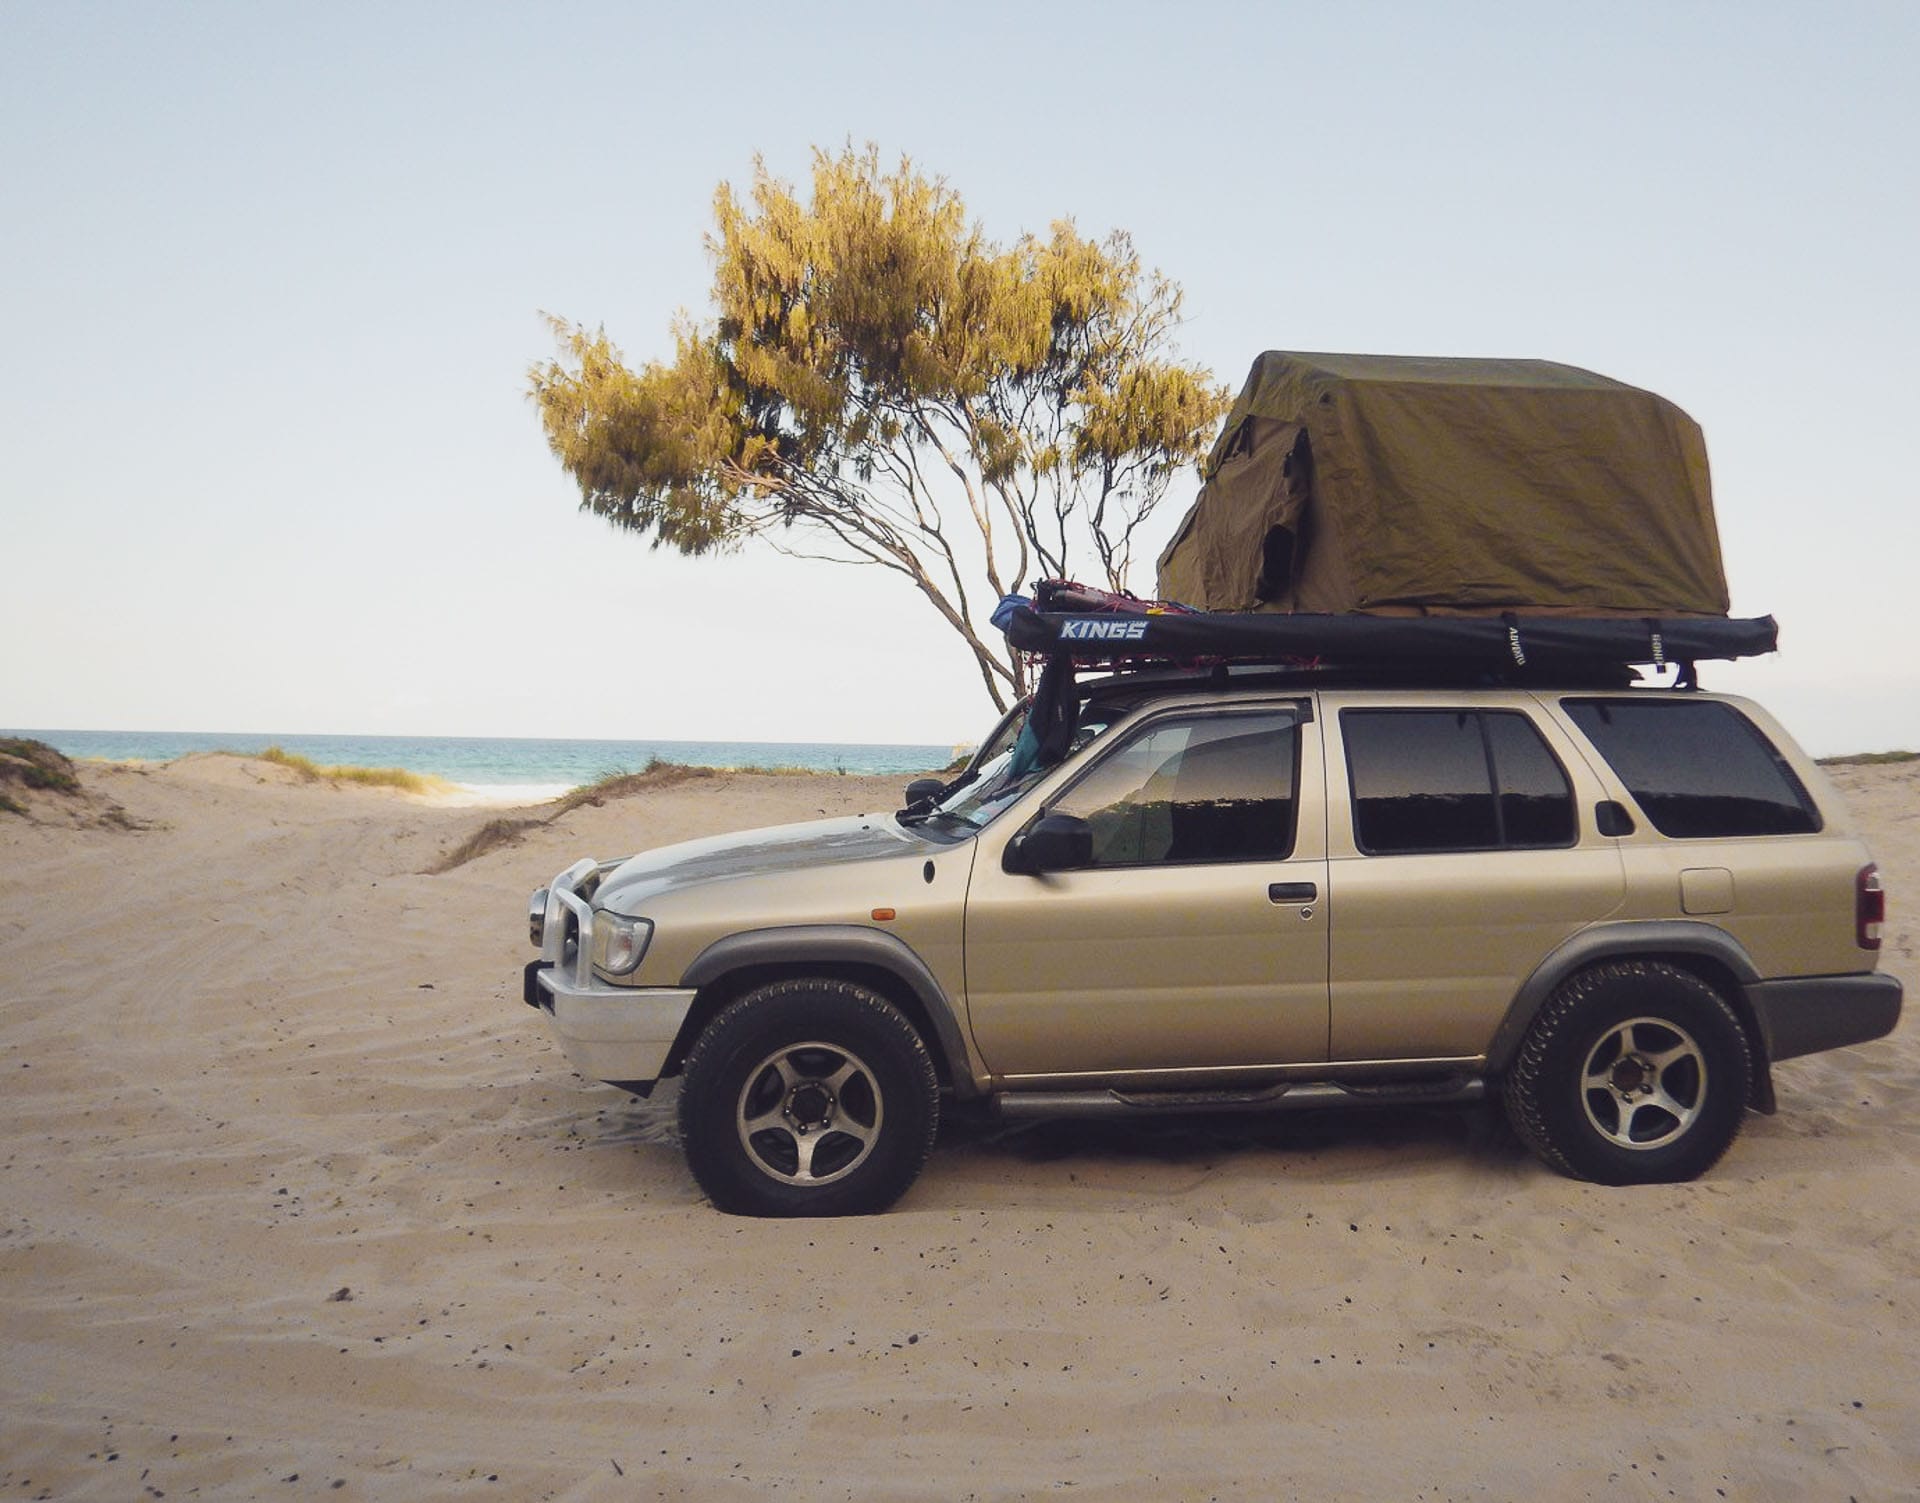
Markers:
(1463, 850)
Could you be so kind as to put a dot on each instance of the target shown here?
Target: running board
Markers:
(1285, 1096)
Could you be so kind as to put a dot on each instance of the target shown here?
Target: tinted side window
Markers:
(1536, 801)
(1206, 788)
(1420, 780)
(1453, 780)
(1698, 769)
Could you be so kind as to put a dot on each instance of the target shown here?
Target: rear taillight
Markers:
(1869, 907)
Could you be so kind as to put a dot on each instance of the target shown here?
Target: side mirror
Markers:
(1053, 843)
(925, 791)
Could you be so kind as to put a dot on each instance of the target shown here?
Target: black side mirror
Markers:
(925, 791)
(1052, 843)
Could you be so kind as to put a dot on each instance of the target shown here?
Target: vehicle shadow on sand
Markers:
(1473, 1133)
(1330, 1145)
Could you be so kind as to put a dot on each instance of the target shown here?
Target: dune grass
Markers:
(1870, 759)
(363, 777)
(504, 831)
(32, 764)
(37, 765)
(658, 773)
(491, 836)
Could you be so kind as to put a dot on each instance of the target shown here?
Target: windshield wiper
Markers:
(926, 816)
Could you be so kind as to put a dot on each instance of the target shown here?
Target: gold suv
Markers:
(1615, 907)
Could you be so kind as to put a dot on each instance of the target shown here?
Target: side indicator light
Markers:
(884, 915)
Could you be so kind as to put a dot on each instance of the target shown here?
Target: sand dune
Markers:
(297, 1200)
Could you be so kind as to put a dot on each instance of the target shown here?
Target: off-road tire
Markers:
(1635, 1072)
(808, 1097)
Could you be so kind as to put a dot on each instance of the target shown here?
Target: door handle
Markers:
(1292, 892)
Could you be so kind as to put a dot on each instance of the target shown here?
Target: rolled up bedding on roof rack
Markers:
(1489, 643)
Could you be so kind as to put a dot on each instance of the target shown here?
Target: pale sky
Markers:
(270, 279)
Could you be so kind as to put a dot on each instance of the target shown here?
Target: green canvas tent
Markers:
(1396, 485)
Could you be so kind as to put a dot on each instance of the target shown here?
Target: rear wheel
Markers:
(808, 1097)
(1635, 1072)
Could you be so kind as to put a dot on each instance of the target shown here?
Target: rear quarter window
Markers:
(1698, 769)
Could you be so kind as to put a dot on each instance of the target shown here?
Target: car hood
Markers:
(753, 853)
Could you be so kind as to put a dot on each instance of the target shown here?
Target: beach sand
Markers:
(297, 1200)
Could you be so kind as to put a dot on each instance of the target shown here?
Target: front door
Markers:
(1197, 939)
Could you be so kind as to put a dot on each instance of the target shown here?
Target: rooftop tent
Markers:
(1397, 485)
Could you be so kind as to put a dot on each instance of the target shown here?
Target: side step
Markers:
(1281, 1097)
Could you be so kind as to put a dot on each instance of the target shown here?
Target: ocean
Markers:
(499, 765)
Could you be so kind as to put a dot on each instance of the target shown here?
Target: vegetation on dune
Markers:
(504, 830)
(37, 765)
(489, 837)
(32, 764)
(658, 773)
(365, 777)
(1870, 759)
(27, 765)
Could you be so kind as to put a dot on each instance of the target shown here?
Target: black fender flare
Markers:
(828, 945)
(1619, 940)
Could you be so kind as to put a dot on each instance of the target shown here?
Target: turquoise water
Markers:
(502, 762)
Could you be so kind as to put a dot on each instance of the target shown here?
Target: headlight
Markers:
(619, 942)
(537, 917)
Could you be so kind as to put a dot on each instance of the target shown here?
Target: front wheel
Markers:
(808, 1097)
(1635, 1072)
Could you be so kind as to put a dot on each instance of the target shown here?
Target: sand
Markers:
(297, 1200)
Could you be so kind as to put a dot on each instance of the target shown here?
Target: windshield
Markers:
(995, 784)
(1003, 735)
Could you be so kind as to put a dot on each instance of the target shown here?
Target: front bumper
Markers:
(1805, 1014)
(619, 1034)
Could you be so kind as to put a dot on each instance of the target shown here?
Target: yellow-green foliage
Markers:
(878, 376)
(1870, 759)
(367, 777)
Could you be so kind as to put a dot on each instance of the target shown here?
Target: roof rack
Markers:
(1133, 676)
(1076, 627)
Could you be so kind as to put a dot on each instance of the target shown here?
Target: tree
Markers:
(881, 384)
